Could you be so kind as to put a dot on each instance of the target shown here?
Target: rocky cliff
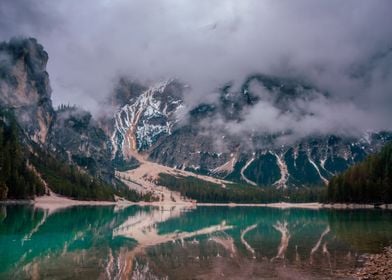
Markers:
(24, 86)
(77, 137)
(71, 134)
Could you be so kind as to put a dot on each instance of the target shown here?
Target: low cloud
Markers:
(341, 47)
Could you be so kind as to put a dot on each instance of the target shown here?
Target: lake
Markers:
(110, 242)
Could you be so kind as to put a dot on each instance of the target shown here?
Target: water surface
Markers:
(187, 243)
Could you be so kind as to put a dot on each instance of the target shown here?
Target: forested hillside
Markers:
(367, 182)
(17, 180)
(22, 162)
(207, 192)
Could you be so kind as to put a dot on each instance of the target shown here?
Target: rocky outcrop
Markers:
(77, 137)
(24, 86)
(71, 134)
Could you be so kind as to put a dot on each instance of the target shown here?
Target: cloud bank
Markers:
(342, 47)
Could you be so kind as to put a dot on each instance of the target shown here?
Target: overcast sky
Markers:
(343, 47)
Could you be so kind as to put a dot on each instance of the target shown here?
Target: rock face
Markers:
(147, 122)
(76, 136)
(149, 114)
(70, 133)
(24, 86)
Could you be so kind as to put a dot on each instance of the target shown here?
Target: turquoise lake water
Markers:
(137, 242)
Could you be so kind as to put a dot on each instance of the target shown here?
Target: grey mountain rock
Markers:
(254, 158)
(24, 86)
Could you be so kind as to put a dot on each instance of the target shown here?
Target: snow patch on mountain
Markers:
(227, 167)
(243, 170)
(146, 117)
(284, 174)
(318, 170)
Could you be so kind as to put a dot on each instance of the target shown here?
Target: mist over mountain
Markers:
(260, 93)
(219, 139)
(341, 49)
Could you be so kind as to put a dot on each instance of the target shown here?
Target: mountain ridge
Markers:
(254, 158)
(151, 123)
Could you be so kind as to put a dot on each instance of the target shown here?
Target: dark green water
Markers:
(178, 243)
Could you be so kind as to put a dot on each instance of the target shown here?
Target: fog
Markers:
(342, 47)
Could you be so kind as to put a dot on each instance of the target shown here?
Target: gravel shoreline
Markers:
(65, 201)
(376, 266)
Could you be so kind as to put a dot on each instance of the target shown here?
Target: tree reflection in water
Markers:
(180, 243)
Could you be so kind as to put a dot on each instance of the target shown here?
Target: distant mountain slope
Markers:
(44, 149)
(369, 181)
(17, 177)
(153, 121)
(27, 170)
(70, 133)
(199, 142)
(78, 138)
(146, 116)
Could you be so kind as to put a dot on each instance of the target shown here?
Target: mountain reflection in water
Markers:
(107, 242)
